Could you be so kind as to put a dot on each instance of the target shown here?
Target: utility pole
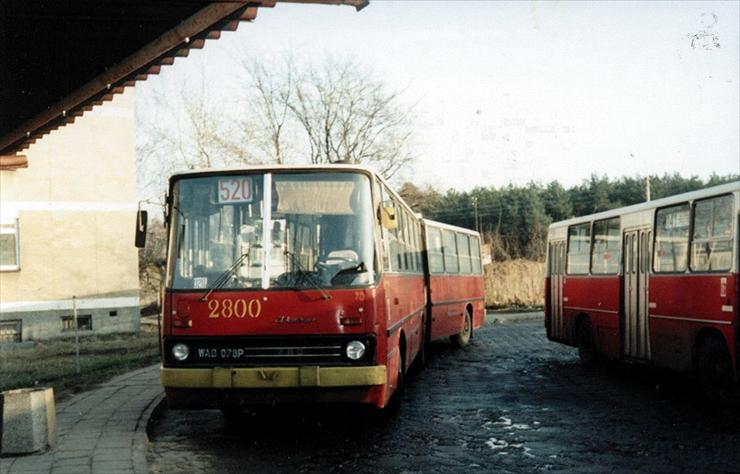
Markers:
(477, 221)
(647, 188)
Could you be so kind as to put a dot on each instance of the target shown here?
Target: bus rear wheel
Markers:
(585, 339)
(715, 374)
(462, 338)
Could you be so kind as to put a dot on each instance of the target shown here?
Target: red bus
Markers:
(456, 302)
(295, 284)
(656, 282)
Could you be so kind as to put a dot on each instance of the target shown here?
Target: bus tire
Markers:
(585, 341)
(462, 338)
(421, 357)
(394, 404)
(715, 374)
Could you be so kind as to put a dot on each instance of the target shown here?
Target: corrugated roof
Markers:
(61, 58)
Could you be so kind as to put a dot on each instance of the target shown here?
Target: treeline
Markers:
(514, 219)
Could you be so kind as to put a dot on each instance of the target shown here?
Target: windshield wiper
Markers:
(307, 275)
(224, 277)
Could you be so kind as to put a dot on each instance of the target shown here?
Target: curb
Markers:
(141, 436)
(501, 318)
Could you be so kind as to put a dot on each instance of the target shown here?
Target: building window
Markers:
(10, 255)
(84, 322)
(10, 331)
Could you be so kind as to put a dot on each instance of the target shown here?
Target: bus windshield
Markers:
(272, 230)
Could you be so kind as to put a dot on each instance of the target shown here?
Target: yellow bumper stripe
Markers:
(273, 377)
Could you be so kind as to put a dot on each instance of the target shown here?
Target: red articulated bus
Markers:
(295, 284)
(656, 282)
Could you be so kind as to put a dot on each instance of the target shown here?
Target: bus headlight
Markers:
(355, 350)
(180, 351)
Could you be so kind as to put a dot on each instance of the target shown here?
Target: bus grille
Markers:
(267, 351)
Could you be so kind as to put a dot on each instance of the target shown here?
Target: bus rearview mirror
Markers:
(388, 216)
(141, 221)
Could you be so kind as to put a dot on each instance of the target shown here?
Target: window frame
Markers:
(589, 224)
(454, 254)
(463, 238)
(476, 261)
(688, 239)
(14, 222)
(432, 251)
(692, 227)
(620, 248)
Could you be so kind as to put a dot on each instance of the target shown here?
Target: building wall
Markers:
(75, 207)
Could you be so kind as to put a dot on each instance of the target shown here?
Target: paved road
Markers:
(510, 402)
(102, 430)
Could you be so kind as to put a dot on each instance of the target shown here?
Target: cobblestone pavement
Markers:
(102, 430)
(510, 402)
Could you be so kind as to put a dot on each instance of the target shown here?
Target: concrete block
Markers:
(28, 421)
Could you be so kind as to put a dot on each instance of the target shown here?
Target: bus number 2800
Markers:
(239, 308)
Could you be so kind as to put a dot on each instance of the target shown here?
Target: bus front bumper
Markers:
(272, 377)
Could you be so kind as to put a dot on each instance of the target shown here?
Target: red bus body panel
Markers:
(599, 298)
(393, 311)
(708, 300)
(450, 297)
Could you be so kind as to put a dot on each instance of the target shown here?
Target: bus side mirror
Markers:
(388, 216)
(141, 219)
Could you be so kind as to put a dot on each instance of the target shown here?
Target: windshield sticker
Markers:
(200, 282)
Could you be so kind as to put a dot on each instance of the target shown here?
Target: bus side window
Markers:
(417, 246)
(475, 254)
(450, 252)
(606, 253)
(434, 250)
(405, 239)
(463, 250)
(671, 238)
(711, 242)
(387, 236)
(579, 248)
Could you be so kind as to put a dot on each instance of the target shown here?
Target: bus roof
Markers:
(273, 167)
(279, 168)
(455, 228)
(644, 206)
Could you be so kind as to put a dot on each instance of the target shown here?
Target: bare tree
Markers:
(337, 111)
(349, 116)
(191, 129)
(268, 95)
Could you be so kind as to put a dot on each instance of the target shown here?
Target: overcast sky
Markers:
(518, 92)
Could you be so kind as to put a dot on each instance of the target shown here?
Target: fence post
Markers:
(77, 335)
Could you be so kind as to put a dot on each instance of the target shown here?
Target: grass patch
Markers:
(52, 363)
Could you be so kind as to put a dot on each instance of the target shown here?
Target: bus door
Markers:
(636, 265)
(557, 272)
